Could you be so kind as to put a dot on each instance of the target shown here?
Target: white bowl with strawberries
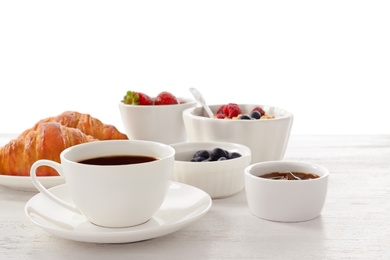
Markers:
(264, 129)
(156, 118)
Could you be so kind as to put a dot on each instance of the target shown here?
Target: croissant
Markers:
(45, 141)
(87, 124)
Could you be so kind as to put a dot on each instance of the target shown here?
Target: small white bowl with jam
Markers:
(286, 191)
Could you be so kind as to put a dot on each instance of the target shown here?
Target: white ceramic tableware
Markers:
(266, 138)
(182, 205)
(199, 97)
(218, 178)
(24, 183)
(285, 200)
(113, 195)
(160, 123)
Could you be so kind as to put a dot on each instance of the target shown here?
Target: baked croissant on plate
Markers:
(87, 124)
(48, 138)
(45, 141)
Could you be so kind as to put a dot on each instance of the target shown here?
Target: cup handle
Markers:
(56, 166)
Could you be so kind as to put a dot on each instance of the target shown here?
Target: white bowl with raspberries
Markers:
(267, 136)
(214, 167)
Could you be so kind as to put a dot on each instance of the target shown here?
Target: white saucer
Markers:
(183, 205)
(24, 183)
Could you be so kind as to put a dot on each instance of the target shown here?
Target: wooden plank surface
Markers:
(355, 222)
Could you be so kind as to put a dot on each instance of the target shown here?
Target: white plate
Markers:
(24, 183)
(183, 205)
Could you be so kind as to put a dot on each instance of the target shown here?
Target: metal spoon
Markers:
(198, 96)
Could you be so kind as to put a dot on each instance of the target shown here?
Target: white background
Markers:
(328, 62)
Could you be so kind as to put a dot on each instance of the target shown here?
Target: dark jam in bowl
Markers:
(118, 160)
(289, 176)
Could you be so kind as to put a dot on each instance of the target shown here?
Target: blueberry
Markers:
(244, 117)
(234, 155)
(197, 159)
(255, 114)
(202, 153)
(217, 153)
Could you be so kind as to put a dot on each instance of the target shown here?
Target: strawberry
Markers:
(144, 99)
(232, 110)
(261, 111)
(137, 98)
(165, 98)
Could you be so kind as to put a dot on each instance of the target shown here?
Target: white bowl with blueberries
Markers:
(214, 167)
(264, 129)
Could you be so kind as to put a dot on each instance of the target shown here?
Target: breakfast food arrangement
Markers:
(172, 148)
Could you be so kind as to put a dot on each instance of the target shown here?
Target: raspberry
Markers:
(220, 110)
(220, 116)
(232, 110)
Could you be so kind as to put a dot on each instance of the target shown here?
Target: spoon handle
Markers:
(198, 96)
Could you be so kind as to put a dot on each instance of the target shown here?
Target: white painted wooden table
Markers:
(355, 222)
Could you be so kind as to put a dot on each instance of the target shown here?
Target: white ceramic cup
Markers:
(113, 195)
(285, 200)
